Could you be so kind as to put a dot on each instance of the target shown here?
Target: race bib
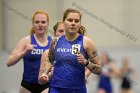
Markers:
(76, 48)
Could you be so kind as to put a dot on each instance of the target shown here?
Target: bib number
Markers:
(76, 48)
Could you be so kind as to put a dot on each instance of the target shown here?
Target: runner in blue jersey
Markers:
(70, 56)
(59, 30)
(30, 48)
(108, 71)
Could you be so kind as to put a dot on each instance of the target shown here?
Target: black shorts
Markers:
(126, 84)
(34, 88)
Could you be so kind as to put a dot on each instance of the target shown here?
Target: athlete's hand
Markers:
(81, 58)
(44, 78)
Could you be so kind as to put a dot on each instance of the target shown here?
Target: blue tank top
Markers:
(105, 81)
(32, 61)
(68, 72)
(105, 69)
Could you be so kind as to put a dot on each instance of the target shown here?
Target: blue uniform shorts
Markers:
(66, 90)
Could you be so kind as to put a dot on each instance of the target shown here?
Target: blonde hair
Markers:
(38, 12)
(56, 25)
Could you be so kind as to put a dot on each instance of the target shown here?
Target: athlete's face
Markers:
(60, 30)
(104, 58)
(72, 23)
(40, 23)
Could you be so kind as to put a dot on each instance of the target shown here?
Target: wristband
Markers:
(87, 62)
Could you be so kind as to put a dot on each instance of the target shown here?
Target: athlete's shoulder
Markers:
(50, 37)
(55, 39)
(87, 39)
(26, 39)
(89, 43)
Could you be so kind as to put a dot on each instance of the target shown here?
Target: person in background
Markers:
(30, 49)
(108, 71)
(126, 74)
(59, 29)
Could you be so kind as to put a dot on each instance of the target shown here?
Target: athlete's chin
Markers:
(41, 32)
(72, 32)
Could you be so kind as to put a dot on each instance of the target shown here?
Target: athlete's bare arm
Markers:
(94, 66)
(45, 67)
(20, 50)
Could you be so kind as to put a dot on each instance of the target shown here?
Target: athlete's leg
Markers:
(23, 90)
(45, 91)
(126, 91)
(101, 91)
